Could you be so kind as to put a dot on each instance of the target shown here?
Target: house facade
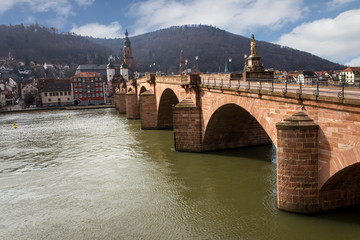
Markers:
(56, 92)
(307, 78)
(350, 75)
(88, 88)
(30, 88)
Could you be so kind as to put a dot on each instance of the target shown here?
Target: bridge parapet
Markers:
(177, 79)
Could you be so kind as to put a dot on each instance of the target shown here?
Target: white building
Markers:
(351, 75)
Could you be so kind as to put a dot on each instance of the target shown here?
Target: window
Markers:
(96, 84)
(49, 99)
(75, 79)
(50, 94)
(65, 93)
(97, 94)
(76, 95)
(75, 84)
(61, 93)
(101, 94)
(45, 94)
(57, 93)
(68, 99)
(100, 83)
(79, 84)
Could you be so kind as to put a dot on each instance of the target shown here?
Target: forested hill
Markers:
(213, 46)
(41, 44)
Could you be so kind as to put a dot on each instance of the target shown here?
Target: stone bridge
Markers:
(317, 138)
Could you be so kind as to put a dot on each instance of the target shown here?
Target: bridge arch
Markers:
(231, 126)
(142, 89)
(165, 113)
(341, 189)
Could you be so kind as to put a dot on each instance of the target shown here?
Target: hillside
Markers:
(214, 47)
(41, 44)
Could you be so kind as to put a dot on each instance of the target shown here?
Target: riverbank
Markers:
(17, 110)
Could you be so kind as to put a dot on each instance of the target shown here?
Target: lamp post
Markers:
(150, 68)
(230, 60)
(197, 64)
(154, 65)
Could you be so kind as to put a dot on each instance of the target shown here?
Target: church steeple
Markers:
(127, 53)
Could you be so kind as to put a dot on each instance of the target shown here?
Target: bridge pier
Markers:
(297, 164)
(132, 105)
(148, 112)
(187, 127)
(120, 102)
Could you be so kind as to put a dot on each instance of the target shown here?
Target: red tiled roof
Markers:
(351, 69)
(87, 74)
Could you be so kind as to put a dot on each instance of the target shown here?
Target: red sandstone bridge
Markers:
(317, 136)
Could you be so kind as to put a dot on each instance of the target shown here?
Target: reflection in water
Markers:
(98, 176)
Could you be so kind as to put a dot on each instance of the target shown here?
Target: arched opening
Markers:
(165, 113)
(343, 188)
(142, 89)
(231, 126)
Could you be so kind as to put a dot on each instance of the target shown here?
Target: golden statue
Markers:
(253, 46)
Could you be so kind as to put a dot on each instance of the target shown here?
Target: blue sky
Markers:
(326, 28)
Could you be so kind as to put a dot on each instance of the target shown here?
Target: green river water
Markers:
(97, 175)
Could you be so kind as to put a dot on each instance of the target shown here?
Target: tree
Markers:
(29, 98)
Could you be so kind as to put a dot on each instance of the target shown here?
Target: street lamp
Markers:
(230, 60)
(197, 64)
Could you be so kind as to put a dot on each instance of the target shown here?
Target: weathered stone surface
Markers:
(297, 125)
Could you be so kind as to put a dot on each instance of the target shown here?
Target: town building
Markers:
(98, 68)
(350, 75)
(88, 88)
(9, 89)
(55, 92)
(2, 98)
(307, 78)
(30, 88)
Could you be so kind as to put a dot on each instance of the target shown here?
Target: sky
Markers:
(327, 28)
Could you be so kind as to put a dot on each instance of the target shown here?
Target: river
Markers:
(97, 175)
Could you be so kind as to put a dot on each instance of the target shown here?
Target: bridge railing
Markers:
(318, 88)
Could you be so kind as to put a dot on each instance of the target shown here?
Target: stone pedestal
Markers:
(297, 164)
(148, 113)
(187, 126)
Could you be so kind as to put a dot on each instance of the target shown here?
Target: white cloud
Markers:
(98, 30)
(354, 62)
(8, 4)
(84, 2)
(237, 16)
(59, 7)
(339, 3)
(336, 39)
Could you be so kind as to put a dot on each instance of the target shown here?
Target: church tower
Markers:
(110, 70)
(127, 52)
(124, 71)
